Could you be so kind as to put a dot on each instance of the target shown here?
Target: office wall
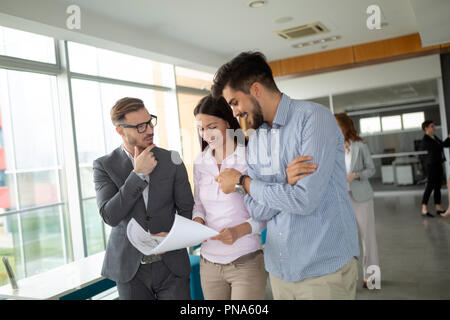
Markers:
(367, 77)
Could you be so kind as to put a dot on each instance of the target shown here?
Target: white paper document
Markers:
(184, 233)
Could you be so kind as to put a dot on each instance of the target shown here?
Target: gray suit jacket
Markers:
(362, 164)
(119, 198)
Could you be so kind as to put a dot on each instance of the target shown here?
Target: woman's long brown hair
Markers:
(348, 127)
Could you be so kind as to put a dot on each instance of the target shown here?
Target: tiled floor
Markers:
(414, 252)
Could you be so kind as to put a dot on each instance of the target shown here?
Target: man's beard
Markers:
(257, 115)
(134, 142)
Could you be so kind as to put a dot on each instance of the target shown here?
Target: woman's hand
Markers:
(351, 176)
(230, 235)
(299, 169)
(199, 220)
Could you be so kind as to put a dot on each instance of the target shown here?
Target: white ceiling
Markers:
(206, 33)
(433, 20)
(228, 27)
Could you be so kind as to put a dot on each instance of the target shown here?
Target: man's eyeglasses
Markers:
(141, 127)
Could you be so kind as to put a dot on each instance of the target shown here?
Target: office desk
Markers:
(77, 280)
(80, 280)
(404, 170)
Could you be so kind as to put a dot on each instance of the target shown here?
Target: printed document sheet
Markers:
(184, 233)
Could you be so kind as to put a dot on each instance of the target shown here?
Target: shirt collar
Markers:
(283, 110)
(127, 153)
(239, 153)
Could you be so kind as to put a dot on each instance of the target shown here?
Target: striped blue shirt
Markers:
(311, 227)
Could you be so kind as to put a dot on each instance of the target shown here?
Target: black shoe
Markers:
(427, 215)
(439, 212)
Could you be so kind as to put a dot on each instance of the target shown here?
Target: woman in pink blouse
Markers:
(232, 263)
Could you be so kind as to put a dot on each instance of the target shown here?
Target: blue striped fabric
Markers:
(311, 227)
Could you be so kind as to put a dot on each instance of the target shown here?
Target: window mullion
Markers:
(70, 153)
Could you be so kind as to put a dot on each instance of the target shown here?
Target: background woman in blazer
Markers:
(433, 162)
(360, 168)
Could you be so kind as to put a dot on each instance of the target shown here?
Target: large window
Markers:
(413, 120)
(391, 123)
(53, 125)
(399, 122)
(192, 87)
(25, 45)
(99, 62)
(93, 98)
(33, 224)
(370, 125)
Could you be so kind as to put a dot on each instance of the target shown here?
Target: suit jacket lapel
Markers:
(154, 177)
(125, 164)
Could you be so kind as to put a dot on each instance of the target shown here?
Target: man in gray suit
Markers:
(141, 181)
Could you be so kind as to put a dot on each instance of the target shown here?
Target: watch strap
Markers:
(241, 179)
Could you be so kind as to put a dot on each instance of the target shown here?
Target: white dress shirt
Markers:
(145, 192)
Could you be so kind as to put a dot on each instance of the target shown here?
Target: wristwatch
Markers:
(239, 188)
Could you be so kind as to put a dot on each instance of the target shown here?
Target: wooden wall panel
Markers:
(297, 64)
(276, 67)
(389, 48)
(316, 61)
(404, 47)
(333, 58)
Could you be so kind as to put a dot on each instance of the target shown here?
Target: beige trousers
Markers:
(365, 217)
(235, 281)
(339, 285)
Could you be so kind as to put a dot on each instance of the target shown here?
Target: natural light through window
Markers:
(391, 123)
(413, 120)
(26, 45)
(370, 125)
(100, 62)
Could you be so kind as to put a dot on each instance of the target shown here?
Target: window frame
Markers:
(75, 242)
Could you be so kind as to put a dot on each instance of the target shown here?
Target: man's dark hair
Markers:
(241, 72)
(124, 106)
(426, 123)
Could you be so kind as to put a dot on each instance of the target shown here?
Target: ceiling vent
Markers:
(305, 30)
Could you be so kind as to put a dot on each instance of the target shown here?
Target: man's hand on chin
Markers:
(228, 179)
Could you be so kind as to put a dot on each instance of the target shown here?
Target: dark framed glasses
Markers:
(142, 127)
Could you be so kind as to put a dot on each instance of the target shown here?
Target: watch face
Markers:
(239, 189)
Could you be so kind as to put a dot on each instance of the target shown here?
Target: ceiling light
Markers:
(318, 41)
(257, 4)
(298, 45)
(283, 19)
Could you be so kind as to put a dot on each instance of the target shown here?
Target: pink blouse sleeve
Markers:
(198, 210)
